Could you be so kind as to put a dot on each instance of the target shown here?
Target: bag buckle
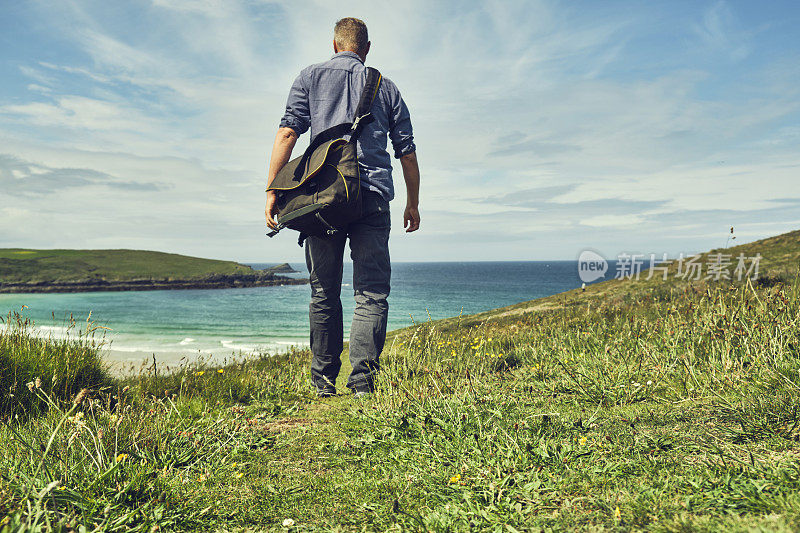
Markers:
(358, 120)
(275, 231)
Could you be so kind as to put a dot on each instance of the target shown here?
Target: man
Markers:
(322, 96)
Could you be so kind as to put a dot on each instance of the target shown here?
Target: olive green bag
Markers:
(319, 193)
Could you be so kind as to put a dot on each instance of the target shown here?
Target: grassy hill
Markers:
(21, 265)
(120, 269)
(635, 405)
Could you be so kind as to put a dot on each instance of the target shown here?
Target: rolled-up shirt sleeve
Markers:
(400, 131)
(297, 115)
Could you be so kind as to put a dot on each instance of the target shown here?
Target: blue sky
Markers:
(543, 128)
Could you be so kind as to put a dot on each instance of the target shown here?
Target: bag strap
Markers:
(368, 95)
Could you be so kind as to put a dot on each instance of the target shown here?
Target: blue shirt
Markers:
(327, 94)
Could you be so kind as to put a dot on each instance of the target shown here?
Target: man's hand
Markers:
(411, 218)
(411, 175)
(271, 211)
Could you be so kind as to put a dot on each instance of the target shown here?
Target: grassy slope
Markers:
(635, 405)
(780, 260)
(19, 265)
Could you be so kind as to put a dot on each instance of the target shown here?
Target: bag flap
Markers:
(299, 170)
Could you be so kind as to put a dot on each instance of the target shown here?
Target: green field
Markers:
(635, 405)
(59, 266)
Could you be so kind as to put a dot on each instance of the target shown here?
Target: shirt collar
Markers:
(347, 53)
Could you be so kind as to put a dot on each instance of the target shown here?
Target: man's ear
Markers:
(335, 48)
(363, 54)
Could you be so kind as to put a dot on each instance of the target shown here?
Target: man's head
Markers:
(350, 34)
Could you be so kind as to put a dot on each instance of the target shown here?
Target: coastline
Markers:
(221, 282)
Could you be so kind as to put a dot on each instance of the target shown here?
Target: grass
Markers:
(61, 266)
(631, 406)
(62, 366)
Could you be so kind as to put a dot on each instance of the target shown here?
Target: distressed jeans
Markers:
(369, 250)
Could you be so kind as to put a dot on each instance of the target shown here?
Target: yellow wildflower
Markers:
(77, 419)
(582, 441)
(239, 475)
(617, 514)
(121, 457)
(199, 372)
(220, 371)
(455, 479)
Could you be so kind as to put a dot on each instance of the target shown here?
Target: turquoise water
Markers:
(222, 322)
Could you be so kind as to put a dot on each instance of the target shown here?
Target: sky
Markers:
(543, 128)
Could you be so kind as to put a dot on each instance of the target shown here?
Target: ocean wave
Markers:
(122, 346)
(244, 348)
(59, 331)
(132, 349)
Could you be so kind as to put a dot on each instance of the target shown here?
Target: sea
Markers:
(177, 326)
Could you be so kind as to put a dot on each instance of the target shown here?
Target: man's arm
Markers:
(296, 120)
(411, 175)
(402, 137)
(281, 152)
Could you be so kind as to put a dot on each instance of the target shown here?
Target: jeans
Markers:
(369, 250)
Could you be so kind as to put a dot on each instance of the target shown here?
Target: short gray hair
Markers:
(351, 34)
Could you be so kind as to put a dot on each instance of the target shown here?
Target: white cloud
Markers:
(75, 112)
(622, 221)
(720, 33)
